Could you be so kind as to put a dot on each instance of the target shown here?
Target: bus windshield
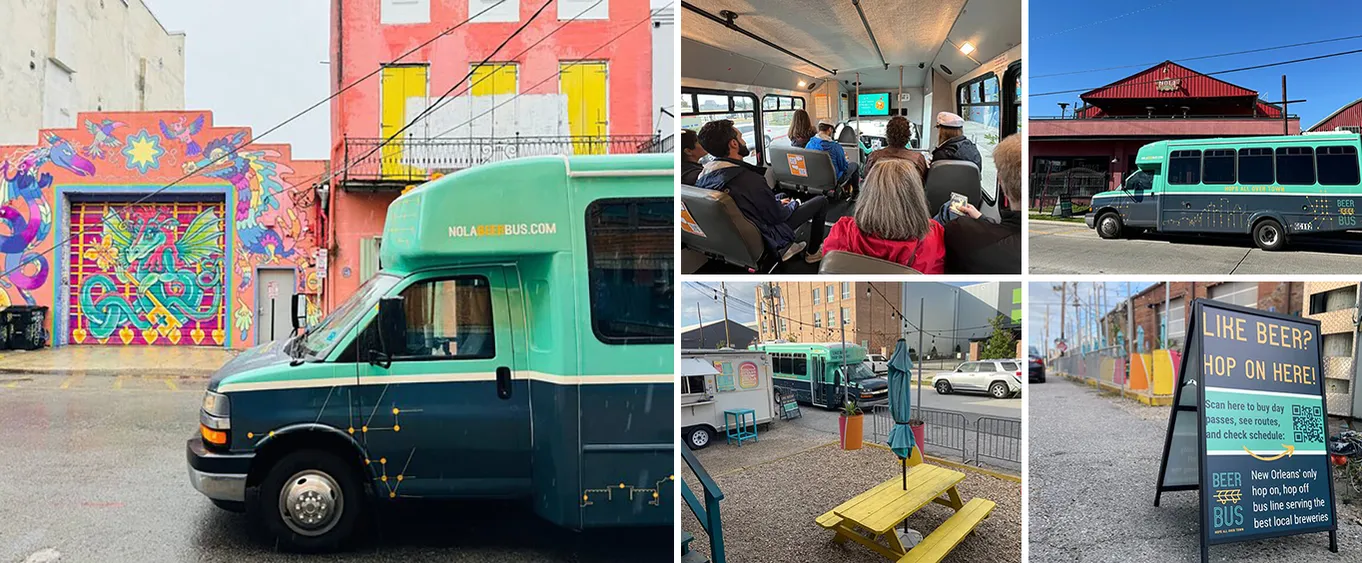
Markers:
(321, 337)
(859, 372)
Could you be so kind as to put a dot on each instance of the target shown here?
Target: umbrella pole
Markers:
(905, 473)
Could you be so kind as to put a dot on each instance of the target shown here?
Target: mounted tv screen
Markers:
(873, 104)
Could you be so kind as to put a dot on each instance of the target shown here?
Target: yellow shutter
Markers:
(494, 79)
(588, 116)
(396, 85)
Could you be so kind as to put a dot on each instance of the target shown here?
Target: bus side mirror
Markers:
(299, 312)
(392, 331)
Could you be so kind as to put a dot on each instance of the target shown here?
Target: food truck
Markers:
(518, 343)
(713, 381)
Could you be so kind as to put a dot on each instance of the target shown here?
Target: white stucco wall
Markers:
(664, 67)
(103, 44)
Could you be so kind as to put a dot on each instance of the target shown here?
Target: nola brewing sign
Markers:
(1248, 425)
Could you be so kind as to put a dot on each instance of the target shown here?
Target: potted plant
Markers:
(850, 426)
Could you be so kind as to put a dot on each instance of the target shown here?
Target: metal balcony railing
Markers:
(414, 159)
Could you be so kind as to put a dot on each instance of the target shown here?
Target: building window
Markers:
(1296, 166)
(817, 320)
(508, 11)
(828, 293)
(846, 316)
(1339, 344)
(1218, 167)
(782, 328)
(1337, 166)
(1080, 176)
(368, 257)
(846, 290)
(816, 296)
(1184, 168)
(400, 12)
(1255, 167)
(1244, 294)
(1177, 322)
(1335, 300)
(583, 9)
(629, 270)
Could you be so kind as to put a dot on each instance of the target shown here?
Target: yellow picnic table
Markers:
(871, 517)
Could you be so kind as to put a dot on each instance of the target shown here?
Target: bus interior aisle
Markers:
(781, 70)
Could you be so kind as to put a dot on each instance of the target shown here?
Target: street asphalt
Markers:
(1072, 248)
(94, 470)
(1094, 461)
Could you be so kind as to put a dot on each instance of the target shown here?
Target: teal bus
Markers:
(825, 374)
(1271, 188)
(518, 343)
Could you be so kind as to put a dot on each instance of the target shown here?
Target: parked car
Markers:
(999, 378)
(878, 363)
(1037, 373)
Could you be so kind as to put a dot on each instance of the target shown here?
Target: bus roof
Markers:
(829, 346)
(1150, 157)
(517, 207)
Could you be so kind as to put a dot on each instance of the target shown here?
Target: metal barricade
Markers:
(997, 439)
(945, 430)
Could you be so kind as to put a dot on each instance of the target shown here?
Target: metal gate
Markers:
(146, 274)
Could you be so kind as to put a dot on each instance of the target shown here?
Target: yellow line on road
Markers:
(170, 382)
(118, 381)
(73, 380)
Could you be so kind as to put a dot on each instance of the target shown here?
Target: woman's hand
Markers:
(967, 209)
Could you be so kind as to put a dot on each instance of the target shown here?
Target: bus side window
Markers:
(1218, 167)
(1338, 166)
(1255, 167)
(629, 270)
(1296, 166)
(1184, 168)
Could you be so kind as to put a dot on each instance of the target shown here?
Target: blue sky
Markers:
(699, 296)
(1043, 299)
(1078, 35)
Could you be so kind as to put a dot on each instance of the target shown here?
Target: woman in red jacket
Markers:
(891, 221)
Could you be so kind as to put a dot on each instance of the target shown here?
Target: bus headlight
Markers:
(217, 412)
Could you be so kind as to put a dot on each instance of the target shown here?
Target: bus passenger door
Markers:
(816, 385)
(448, 417)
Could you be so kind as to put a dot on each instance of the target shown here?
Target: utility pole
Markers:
(728, 341)
(702, 324)
(846, 378)
(1045, 348)
(1063, 290)
(921, 305)
(1166, 314)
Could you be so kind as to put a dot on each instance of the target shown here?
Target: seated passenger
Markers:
(691, 153)
(891, 221)
(801, 129)
(847, 172)
(951, 142)
(774, 215)
(978, 246)
(897, 134)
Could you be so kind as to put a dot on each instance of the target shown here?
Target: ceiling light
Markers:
(966, 48)
(801, 83)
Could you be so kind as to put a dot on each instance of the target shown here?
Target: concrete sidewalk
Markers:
(158, 361)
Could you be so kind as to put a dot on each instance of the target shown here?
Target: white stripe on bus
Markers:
(447, 378)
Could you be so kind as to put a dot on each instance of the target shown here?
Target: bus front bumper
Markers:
(218, 476)
(1090, 220)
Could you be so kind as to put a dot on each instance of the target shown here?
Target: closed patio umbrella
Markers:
(900, 404)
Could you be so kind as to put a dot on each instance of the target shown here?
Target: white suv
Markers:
(999, 378)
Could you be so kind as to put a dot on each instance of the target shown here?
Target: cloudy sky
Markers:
(742, 295)
(1044, 299)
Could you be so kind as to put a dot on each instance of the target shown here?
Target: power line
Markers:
(1216, 73)
(1201, 58)
(256, 138)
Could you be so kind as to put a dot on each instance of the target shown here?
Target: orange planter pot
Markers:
(850, 430)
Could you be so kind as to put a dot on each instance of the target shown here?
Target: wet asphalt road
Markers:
(1073, 248)
(1094, 461)
(97, 473)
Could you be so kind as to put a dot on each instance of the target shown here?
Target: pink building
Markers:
(572, 93)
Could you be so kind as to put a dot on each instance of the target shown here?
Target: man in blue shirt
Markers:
(847, 172)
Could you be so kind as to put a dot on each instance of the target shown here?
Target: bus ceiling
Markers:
(818, 40)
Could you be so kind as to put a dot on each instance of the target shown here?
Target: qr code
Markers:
(1307, 423)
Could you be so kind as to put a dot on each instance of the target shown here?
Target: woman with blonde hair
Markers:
(891, 221)
(801, 129)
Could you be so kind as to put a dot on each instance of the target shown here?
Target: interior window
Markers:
(1296, 166)
(1337, 166)
(739, 107)
(1218, 167)
(1184, 167)
(1255, 166)
(629, 268)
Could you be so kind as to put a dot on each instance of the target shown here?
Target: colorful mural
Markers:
(176, 269)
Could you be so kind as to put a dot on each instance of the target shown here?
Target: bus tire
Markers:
(310, 501)
(1109, 225)
(697, 437)
(1269, 235)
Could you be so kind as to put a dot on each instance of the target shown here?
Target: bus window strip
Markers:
(1187, 167)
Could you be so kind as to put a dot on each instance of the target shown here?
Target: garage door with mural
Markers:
(147, 274)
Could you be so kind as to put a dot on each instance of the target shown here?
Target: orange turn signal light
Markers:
(215, 437)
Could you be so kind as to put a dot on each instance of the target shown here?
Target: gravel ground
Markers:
(1094, 461)
(771, 502)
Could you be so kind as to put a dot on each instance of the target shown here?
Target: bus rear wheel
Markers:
(1109, 225)
(1269, 235)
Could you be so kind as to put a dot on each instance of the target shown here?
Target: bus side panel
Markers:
(800, 389)
(1205, 213)
(628, 445)
(555, 455)
(1315, 214)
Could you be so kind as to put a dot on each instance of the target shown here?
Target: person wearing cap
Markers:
(951, 143)
(691, 153)
(775, 216)
(847, 172)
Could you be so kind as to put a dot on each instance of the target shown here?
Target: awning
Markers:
(696, 366)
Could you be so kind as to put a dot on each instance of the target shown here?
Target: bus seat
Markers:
(990, 202)
(804, 170)
(851, 143)
(770, 174)
(842, 262)
(727, 234)
(946, 176)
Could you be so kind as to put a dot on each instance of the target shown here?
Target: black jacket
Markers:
(746, 184)
(958, 148)
(690, 172)
(976, 246)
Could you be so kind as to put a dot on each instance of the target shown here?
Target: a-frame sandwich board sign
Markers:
(1247, 427)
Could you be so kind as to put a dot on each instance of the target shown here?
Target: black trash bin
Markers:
(23, 327)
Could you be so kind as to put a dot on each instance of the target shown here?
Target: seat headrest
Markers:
(840, 262)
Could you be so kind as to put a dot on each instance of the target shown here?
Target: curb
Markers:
(29, 373)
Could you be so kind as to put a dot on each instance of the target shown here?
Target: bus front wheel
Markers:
(311, 500)
(1109, 225)
(1269, 235)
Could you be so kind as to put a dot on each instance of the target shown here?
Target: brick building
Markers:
(1154, 302)
(816, 311)
(1334, 305)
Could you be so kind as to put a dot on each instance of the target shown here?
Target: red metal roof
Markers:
(1269, 110)
(1168, 80)
(1349, 115)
